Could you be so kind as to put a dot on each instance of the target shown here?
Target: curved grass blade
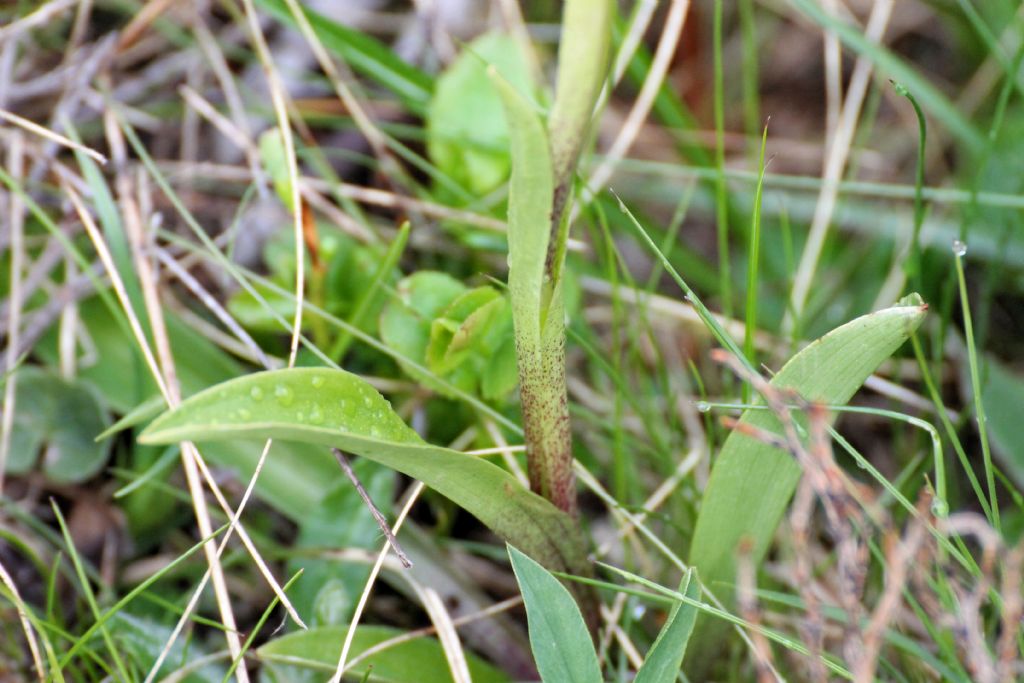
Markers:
(558, 636)
(336, 408)
(751, 482)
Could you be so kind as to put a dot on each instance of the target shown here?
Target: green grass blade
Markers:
(558, 636)
(336, 408)
(752, 482)
(959, 249)
(665, 657)
(753, 260)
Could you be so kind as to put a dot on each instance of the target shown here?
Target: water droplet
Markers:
(256, 394)
(317, 381)
(862, 464)
(343, 404)
(300, 416)
(703, 406)
(959, 248)
(316, 416)
(342, 428)
(639, 611)
(284, 395)
(940, 508)
(244, 414)
(368, 402)
(375, 432)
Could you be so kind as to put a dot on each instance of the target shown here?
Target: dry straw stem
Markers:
(188, 455)
(50, 135)
(16, 218)
(364, 597)
(838, 153)
(26, 626)
(663, 56)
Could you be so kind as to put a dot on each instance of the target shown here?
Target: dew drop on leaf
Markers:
(256, 394)
(284, 395)
(316, 416)
(959, 248)
(317, 381)
(703, 406)
(243, 414)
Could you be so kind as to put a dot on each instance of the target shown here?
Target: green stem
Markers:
(979, 406)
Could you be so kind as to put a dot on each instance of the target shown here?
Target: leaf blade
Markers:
(336, 408)
(558, 636)
(829, 370)
(531, 193)
(665, 657)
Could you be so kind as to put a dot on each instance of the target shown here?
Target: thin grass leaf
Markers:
(665, 657)
(752, 482)
(338, 409)
(364, 54)
(558, 636)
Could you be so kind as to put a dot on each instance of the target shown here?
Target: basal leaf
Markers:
(312, 655)
(558, 636)
(336, 408)
(467, 135)
(665, 657)
(751, 482)
(61, 419)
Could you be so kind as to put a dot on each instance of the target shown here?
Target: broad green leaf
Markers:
(60, 419)
(751, 482)
(467, 135)
(294, 479)
(364, 54)
(665, 657)
(141, 640)
(558, 636)
(473, 322)
(328, 589)
(336, 408)
(531, 192)
(457, 333)
(582, 67)
(405, 322)
(312, 656)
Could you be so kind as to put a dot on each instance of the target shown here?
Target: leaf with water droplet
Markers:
(959, 248)
(369, 428)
